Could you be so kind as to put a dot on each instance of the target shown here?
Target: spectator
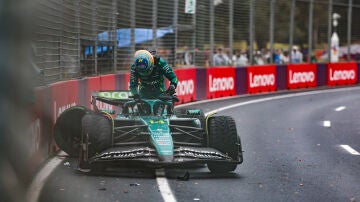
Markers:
(227, 56)
(220, 58)
(240, 59)
(296, 55)
(188, 58)
(313, 59)
(206, 57)
(284, 57)
(276, 56)
(266, 55)
(258, 58)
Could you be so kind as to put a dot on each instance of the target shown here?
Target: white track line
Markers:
(164, 187)
(338, 109)
(350, 150)
(275, 97)
(327, 124)
(40, 178)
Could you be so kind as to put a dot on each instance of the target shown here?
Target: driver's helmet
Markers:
(144, 62)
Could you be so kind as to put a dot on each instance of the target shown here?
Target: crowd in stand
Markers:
(240, 58)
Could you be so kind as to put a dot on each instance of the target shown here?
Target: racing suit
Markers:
(152, 86)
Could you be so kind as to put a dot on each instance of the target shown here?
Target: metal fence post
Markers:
(310, 33)
(211, 55)
(329, 30)
(194, 37)
(114, 34)
(231, 27)
(154, 23)
(349, 29)
(251, 32)
(61, 66)
(94, 30)
(77, 18)
(291, 37)
(175, 27)
(132, 25)
(272, 10)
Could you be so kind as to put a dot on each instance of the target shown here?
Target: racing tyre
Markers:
(222, 135)
(67, 130)
(99, 130)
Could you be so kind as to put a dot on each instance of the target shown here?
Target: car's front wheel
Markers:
(67, 130)
(98, 129)
(222, 135)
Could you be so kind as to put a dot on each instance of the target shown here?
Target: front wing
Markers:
(148, 156)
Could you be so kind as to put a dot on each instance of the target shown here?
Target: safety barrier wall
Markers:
(194, 84)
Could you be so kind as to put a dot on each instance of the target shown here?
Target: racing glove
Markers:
(171, 89)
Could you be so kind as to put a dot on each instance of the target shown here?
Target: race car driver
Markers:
(149, 70)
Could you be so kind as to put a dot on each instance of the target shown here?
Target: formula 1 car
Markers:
(146, 131)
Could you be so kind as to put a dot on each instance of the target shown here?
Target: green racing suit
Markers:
(152, 86)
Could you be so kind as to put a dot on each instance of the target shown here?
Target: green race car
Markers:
(149, 132)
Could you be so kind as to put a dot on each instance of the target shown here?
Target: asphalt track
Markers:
(297, 147)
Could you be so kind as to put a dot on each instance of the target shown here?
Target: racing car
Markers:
(119, 130)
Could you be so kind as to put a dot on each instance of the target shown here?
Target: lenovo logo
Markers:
(338, 75)
(185, 87)
(261, 80)
(221, 84)
(301, 77)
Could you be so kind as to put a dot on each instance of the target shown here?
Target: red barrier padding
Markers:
(261, 78)
(301, 76)
(39, 136)
(220, 82)
(127, 81)
(107, 82)
(93, 84)
(186, 90)
(63, 96)
(344, 73)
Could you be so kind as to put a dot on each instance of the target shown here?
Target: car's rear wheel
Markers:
(222, 135)
(98, 128)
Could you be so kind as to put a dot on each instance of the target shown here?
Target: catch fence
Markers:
(78, 38)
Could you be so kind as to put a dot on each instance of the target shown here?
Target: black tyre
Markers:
(67, 130)
(222, 135)
(99, 130)
(184, 113)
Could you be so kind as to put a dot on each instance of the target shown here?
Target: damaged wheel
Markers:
(67, 130)
(99, 131)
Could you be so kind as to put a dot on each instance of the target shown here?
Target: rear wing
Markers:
(112, 97)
